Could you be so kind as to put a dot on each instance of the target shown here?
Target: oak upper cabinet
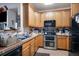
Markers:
(63, 18)
(74, 8)
(25, 15)
(48, 15)
(37, 19)
(58, 18)
(31, 16)
(66, 14)
(63, 42)
(42, 19)
(28, 15)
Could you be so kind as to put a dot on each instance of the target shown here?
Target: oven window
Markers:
(49, 44)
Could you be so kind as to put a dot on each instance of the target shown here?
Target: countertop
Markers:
(63, 34)
(5, 49)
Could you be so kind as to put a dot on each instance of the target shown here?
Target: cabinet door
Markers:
(74, 8)
(26, 48)
(26, 51)
(66, 18)
(41, 41)
(42, 19)
(37, 19)
(32, 50)
(58, 17)
(31, 17)
(48, 15)
(59, 43)
(36, 44)
(68, 43)
(25, 15)
(63, 42)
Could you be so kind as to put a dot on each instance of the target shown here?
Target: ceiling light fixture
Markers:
(48, 3)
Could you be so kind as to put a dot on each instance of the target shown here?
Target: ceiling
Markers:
(42, 7)
(38, 6)
(10, 5)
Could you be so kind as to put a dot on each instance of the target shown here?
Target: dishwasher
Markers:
(14, 52)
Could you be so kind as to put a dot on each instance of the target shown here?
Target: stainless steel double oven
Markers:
(49, 34)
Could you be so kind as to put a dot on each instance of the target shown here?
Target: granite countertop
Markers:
(5, 49)
(63, 34)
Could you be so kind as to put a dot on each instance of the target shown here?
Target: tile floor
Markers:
(46, 52)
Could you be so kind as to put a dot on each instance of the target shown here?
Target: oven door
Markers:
(49, 43)
(49, 38)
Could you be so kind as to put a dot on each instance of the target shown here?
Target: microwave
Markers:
(49, 23)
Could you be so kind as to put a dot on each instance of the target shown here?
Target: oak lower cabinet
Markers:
(26, 52)
(41, 41)
(26, 49)
(63, 42)
(30, 47)
(37, 43)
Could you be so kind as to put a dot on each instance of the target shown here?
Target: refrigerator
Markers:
(74, 44)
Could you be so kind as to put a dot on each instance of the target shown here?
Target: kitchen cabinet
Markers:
(31, 17)
(58, 18)
(32, 50)
(42, 19)
(62, 18)
(30, 47)
(66, 14)
(48, 15)
(74, 8)
(41, 41)
(63, 42)
(24, 15)
(37, 19)
(26, 49)
(28, 15)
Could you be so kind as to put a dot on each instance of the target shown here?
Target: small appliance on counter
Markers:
(49, 34)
